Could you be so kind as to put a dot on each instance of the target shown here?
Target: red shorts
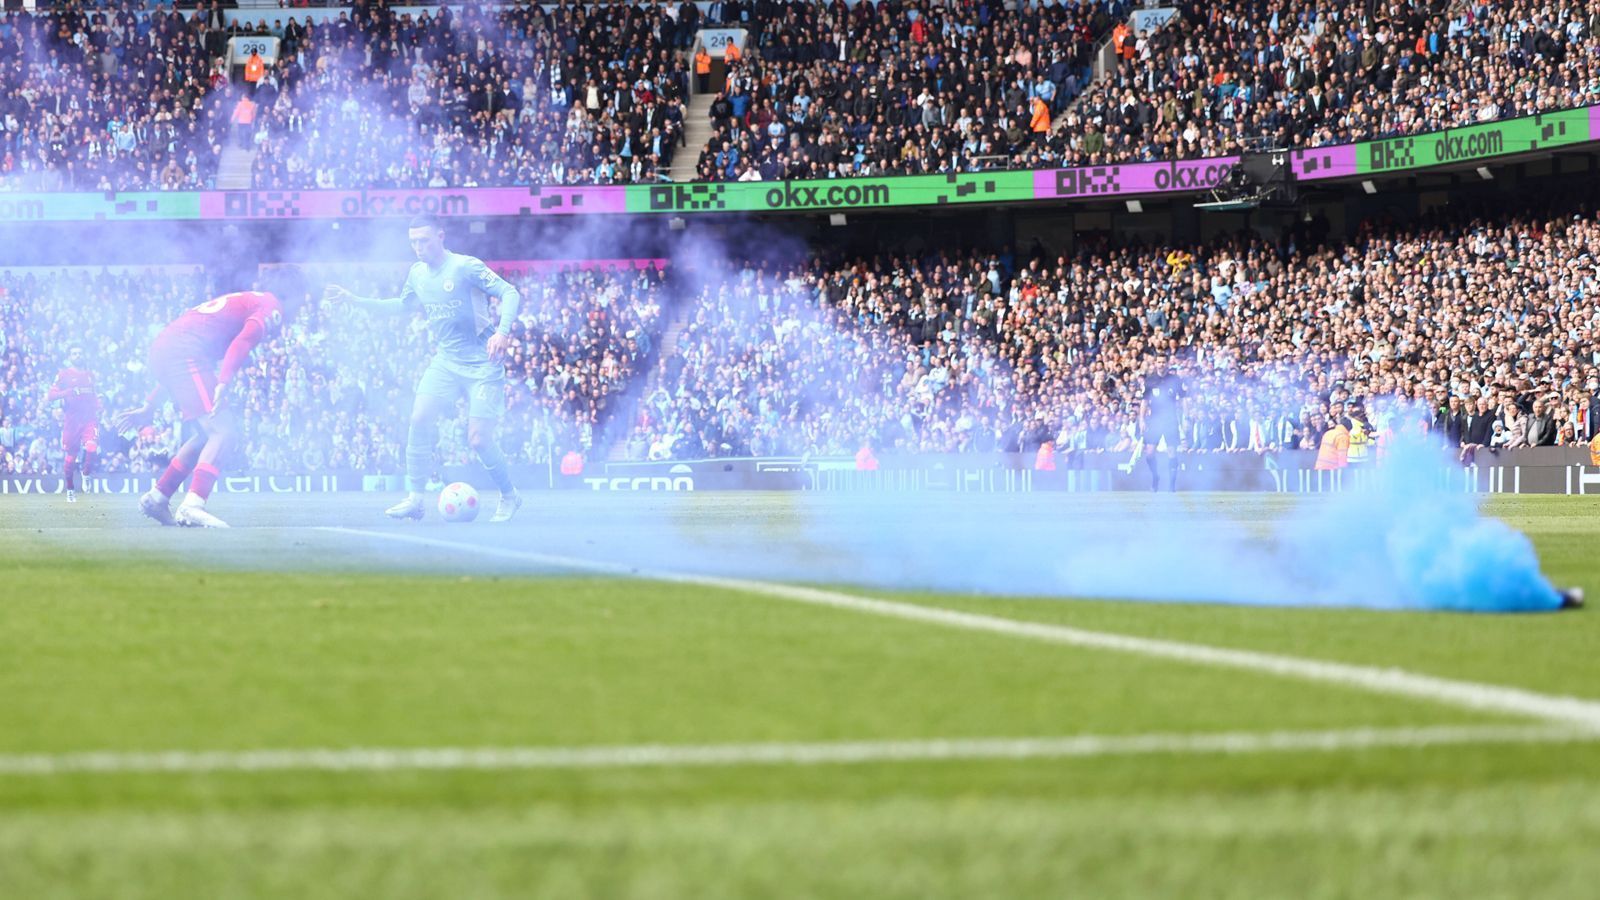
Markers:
(191, 382)
(77, 436)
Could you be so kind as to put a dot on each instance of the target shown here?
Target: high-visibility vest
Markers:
(730, 53)
(702, 62)
(572, 463)
(1045, 459)
(865, 461)
(254, 68)
(1335, 450)
(1041, 117)
(1360, 439)
(1594, 450)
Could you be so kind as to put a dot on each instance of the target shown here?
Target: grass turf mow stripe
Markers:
(796, 754)
(1569, 711)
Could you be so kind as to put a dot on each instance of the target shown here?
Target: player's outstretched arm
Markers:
(336, 294)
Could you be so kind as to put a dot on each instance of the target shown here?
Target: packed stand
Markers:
(471, 97)
(1239, 75)
(118, 96)
(830, 90)
(111, 97)
(787, 362)
(333, 389)
(913, 88)
(1491, 327)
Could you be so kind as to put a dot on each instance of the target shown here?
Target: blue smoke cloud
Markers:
(1419, 546)
(1401, 541)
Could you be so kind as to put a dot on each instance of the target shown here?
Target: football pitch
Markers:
(320, 703)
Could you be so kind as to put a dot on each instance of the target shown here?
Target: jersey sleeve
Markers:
(266, 315)
(485, 279)
(239, 349)
(57, 390)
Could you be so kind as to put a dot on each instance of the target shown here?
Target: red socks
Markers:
(205, 477)
(176, 472)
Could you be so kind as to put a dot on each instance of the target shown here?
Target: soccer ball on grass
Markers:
(458, 502)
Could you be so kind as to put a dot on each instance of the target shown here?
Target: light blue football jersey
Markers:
(455, 298)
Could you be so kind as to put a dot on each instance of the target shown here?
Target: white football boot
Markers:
(157, 506)
(192, 513)
(507, 507)
(409, 508)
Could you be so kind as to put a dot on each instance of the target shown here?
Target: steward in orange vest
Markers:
(254, 68)
(1335, 450)
(1045, 459)
(1040, 122)
(865, 461)
(572, 463)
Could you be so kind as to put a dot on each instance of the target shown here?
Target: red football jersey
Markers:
(75, 389)
(206, 331)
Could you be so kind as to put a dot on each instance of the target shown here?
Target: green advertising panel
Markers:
(831, 194)
(100, 207)
(1529, 134)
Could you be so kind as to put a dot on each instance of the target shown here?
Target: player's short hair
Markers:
(427, 220)
(287, 283)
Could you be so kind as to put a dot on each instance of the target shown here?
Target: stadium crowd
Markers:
(827, 89)
(333, 389)
(1489, 325)
(1236, 75)
(474, 97)
(830, 90)
(115, 95)
(110, 97)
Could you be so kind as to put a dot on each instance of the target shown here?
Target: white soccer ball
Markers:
(458, 502)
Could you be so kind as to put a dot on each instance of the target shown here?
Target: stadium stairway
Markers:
(236, 169)
(1104, 66)
(618, 452)
(696, 130)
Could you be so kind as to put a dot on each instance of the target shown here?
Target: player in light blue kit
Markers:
(453, 290)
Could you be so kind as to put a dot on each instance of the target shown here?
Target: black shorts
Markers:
(1157, 429)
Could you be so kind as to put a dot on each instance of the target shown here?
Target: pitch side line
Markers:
(708, 755)
(1571, 711)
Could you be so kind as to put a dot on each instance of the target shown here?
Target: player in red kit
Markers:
(195, 358)
(74, 387)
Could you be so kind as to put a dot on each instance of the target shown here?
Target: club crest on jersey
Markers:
(448, 285)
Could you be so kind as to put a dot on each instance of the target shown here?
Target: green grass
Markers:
(119, 637)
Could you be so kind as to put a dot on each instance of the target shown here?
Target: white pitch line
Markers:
(797, 754)
(1571, 711)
